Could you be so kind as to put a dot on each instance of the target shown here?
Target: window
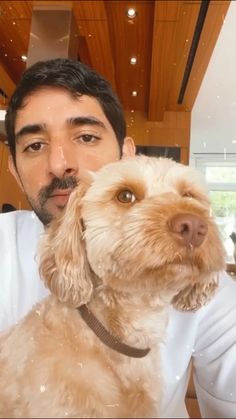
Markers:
(220, 174)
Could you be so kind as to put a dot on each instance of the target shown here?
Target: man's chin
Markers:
(47, 215)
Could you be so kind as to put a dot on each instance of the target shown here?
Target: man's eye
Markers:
(88, 138)
(126, 197)
(34, 147)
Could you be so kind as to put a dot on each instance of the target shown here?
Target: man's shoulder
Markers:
(19, 225)
(194, 330)
(19, 219)
(21, 286)
(20, 232)
(225, 294)
(219, 306)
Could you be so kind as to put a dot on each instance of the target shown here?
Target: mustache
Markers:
(69, 182)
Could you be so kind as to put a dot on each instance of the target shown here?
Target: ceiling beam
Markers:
(214, 21)
(166, 16)
(175, 27)
(174, 24)
(92, 23)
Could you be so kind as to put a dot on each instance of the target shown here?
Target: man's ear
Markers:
(13, 170)
(128, 149)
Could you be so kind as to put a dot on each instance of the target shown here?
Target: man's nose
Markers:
(62, 161)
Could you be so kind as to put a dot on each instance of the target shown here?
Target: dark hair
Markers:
(75, 77)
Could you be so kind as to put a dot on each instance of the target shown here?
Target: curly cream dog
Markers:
(139, 237)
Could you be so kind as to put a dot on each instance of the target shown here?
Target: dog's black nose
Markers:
(190, 230)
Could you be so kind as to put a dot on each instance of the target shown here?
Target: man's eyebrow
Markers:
(29, 129)
(86, 120)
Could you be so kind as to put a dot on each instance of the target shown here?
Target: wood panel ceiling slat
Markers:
(184, 35)
(131, 37)
(166, 18)
(89, 10)
(17, 9)
(15, 22)
(167, 10)
(92, 25)
(211, 30)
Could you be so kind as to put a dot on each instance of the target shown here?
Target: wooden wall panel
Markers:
(6, 83)
(173, 131)
(9, 190)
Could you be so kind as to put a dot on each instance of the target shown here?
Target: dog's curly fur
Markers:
(113, 249)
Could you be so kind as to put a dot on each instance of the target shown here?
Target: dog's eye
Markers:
(126, 197)
(187, 195)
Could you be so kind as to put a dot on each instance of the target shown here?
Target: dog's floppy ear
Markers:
(195, 296)
(63, 262)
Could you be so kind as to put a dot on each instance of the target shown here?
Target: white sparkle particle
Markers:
(42, 389)
(80, 364)
(177, 377)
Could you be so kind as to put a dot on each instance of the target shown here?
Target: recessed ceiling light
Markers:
(134, 93)
(133, 60)
(24, 58)
(131, 13)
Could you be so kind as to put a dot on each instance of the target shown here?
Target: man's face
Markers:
(59, 138)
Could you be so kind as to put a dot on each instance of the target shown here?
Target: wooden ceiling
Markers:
(172, 40)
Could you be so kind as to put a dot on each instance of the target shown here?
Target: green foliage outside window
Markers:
(223, 203)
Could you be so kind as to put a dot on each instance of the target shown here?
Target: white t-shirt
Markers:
(207, 336)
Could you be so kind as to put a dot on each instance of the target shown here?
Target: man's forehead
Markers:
(44, 104)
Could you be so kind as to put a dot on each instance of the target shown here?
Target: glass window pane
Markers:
(221, 174)
(224, 208)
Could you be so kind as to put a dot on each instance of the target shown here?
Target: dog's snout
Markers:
(189, 229)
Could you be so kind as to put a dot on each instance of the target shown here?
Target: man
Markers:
(62, 120)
